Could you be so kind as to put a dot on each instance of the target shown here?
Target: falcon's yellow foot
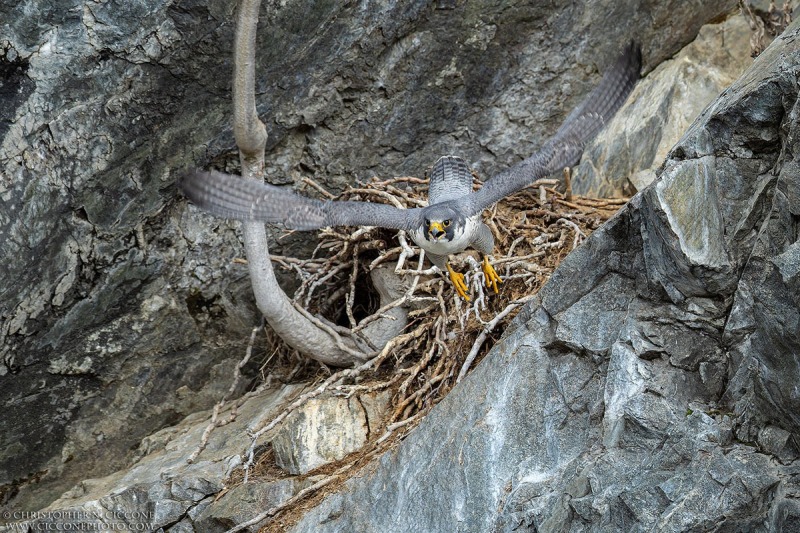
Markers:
(458, 282)
(491, 276)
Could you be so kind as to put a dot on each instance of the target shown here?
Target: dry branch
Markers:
(304, 333)
(215, 422)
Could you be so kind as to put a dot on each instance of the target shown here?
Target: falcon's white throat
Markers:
(462, 237)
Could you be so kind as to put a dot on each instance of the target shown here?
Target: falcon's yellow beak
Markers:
(436, 230)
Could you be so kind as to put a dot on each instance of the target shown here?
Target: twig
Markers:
(397, 425)
(407, 251)
(351, 296)
(579, 234)
(319, 188)
(272, 511)
(237, 375)
(310, 286)
(476, 346)
(601, 202)
(358, 355)
(571, 205)
(405, 179)
(568, 183)
(382, 194)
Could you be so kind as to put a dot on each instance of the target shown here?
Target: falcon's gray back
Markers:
(451, 178)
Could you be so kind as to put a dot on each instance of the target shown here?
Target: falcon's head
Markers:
(441, 223)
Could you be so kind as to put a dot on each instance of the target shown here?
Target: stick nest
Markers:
(534, 230)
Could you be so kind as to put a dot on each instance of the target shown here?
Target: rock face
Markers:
(653, 385)
(625, 159)
(122, 309)
(326, 429)
(162, 490)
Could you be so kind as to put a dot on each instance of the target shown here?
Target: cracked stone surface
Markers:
(653, 384)
(122, 310)
(326, 429)
(161, 491)
(664, 105)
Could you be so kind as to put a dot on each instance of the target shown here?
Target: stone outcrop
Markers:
(625, 159)
(326, 429)
(653, 384)
(162, 490)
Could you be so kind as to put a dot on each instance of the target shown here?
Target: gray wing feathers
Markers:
(232, 197)
(599, 107)
(370, 214)
(450, 179)
(243, 199)
(565, 147)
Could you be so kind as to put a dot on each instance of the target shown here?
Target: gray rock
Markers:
(674, 407)
(162, 490)
(661, 108)
(326, 429)
(184, 526)
(122, 307)
(245, 501)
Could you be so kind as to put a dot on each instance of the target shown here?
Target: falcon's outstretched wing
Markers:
(244, 199)
(565, 147)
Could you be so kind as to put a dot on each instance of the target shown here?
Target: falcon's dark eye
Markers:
(446, 222)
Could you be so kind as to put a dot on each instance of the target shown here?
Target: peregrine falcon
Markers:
(452, 220)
